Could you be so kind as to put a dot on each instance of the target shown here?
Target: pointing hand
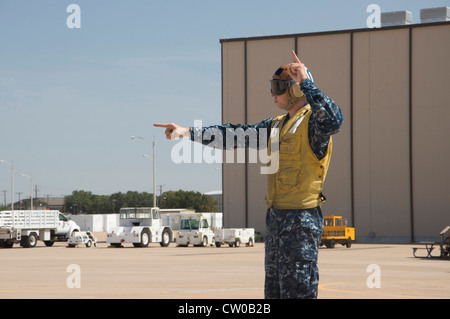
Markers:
(173, 130)
(297, 70)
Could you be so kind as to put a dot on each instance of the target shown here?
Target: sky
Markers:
(71, 98)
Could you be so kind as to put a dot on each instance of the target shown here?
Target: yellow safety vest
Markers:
(298, 182)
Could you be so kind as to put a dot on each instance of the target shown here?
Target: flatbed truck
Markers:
(28, 226)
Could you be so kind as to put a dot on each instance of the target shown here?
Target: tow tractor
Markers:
(195, 230)
(140, 226)
(335, 231)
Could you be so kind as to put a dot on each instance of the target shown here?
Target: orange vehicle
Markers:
(335, 231)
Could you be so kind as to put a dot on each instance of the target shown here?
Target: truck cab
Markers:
(66, 227)
(195, 230)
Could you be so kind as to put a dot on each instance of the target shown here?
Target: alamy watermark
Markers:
(374, 279)
(374, 19)
(74, 279)
(74, 19)
(233, 144)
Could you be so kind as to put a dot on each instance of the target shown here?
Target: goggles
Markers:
(278, 87)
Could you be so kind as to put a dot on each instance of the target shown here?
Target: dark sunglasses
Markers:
(278, 87)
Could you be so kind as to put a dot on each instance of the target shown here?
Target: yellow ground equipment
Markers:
(335, 231)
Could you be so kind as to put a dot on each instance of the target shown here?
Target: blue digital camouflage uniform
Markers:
(292, 236)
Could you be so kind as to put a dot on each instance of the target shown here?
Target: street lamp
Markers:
(12, 181)
(154, 173)
(31, 188)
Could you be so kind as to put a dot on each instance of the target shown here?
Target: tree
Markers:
(85, 202)
(79, 202)
(190, 200)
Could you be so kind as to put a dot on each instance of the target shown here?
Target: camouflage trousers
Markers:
(292, 245)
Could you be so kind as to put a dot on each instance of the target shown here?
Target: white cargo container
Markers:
(28, 226)
(140, 226)
(235, 236)
(195, 230)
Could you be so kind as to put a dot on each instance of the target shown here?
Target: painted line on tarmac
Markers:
(371, 291)
(88, 292)
(106, 294)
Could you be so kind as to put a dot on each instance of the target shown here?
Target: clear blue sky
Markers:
(71, 98)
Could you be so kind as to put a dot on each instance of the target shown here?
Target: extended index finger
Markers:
(296, 59)
(162, 124)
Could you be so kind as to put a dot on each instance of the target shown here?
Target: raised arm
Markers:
(327, 117)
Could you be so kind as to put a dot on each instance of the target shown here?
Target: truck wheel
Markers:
(2, 243)
(165, 238)
(348, 244)
(330, 243)
(250, 242)
(49, 243)
(88, 244)
(145, 238)
(237, 242)
(29, 241)
(8, 244)
(218, 244)
(204, 241)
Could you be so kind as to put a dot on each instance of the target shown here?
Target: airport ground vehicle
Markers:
(235, 236)
(195, 230)
(28, 226)
(140, 226)
(82, 237)
(335, 231)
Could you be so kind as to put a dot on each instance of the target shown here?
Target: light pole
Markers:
(31, 188)
(154, 171)
(154, 179)
(12, 181)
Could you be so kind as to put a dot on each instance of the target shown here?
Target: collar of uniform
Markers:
(289, 121)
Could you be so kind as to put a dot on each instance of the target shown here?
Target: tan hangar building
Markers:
(388, 175)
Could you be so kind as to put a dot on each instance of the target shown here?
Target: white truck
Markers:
(28, 226)
(195, 230)
(235, 236)
(140, 226)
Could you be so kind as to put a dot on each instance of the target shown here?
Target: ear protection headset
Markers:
(295, 90)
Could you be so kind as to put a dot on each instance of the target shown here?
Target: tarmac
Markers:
(364, 271)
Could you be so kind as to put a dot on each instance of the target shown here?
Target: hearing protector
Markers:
(295, 90)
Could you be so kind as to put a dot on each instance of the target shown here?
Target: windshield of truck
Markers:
(204, 223)
(328, 222)
(127, 213)
(135, 213)
(189, 224)
(142, 213)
